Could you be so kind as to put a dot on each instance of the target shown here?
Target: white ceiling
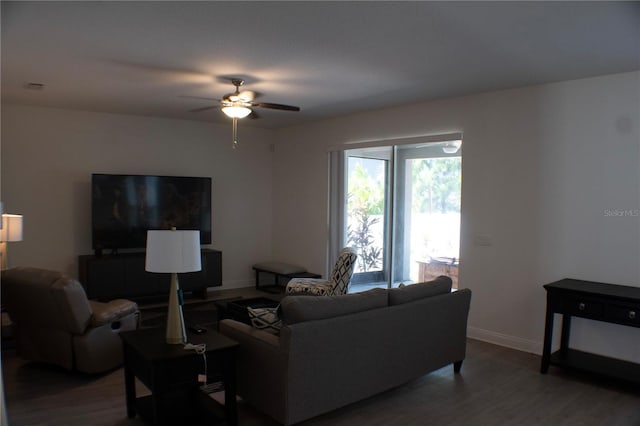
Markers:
(329, 58)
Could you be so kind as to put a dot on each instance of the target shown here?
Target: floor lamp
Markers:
(174, 252)
(10, 231)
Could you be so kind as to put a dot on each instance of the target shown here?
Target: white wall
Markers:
(541, 165)
(48, 156)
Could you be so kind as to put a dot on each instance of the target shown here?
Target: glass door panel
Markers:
(427, 226)
(366, 215)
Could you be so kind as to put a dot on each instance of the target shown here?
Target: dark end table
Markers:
(171, 374)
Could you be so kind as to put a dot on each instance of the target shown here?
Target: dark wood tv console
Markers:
(109, 277)
(610, 303)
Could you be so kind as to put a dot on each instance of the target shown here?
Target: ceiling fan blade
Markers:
(276, 106)
(254, 115)
(204, 108)
(200, 97)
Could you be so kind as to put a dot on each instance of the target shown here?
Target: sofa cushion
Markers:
(308, 308)
(409, 293)
(265, 319)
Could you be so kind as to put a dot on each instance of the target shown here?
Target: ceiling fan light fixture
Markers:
(236, 111)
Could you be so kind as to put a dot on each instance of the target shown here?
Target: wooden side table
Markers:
(171, 374)
(428, 270)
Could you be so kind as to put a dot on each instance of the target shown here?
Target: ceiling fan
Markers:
(238, 105)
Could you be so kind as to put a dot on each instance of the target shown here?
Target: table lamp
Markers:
(10, 231)
(174, 252)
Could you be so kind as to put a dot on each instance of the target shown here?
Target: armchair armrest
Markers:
(105, 313)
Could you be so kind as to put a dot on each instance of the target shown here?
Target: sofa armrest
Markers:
(261, 367)
(104, 313)
(248, 335)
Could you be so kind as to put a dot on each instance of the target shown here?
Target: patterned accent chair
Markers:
(338, 282)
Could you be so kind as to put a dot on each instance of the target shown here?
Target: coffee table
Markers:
(171, 374)
(237, 308)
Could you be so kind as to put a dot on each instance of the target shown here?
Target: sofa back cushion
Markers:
(409, 293)
(297, 309)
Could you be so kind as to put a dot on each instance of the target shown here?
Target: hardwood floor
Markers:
(497, 386)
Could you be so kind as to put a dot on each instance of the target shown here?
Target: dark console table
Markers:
(595, 301)
(113, 276)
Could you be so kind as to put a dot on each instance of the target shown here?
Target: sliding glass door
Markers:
(401, 211)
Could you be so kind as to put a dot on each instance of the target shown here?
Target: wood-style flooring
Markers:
(497, 386)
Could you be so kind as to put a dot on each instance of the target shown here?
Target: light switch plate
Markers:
(483, 240)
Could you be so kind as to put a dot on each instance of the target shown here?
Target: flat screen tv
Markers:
(124, 207)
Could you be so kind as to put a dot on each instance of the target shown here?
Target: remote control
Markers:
(197, 329)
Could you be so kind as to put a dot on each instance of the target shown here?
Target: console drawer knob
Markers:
(632, 314)
(581, 306)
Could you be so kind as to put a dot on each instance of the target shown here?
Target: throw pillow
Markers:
(265, 319)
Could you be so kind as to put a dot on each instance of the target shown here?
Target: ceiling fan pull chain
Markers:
(235, 133)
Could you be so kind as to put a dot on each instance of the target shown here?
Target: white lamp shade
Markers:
(11, 227)
(173, 251)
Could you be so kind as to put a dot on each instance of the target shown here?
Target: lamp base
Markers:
(176, 331)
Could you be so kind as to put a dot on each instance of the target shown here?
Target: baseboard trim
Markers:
(505, 340)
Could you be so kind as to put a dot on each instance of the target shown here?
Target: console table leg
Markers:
(566, 332)
(548, 334)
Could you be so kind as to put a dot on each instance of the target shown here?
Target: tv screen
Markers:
(124, 207)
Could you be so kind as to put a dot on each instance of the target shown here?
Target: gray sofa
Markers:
(335, 350)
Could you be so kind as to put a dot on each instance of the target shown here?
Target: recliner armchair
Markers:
(338, 283)
(54, 322)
